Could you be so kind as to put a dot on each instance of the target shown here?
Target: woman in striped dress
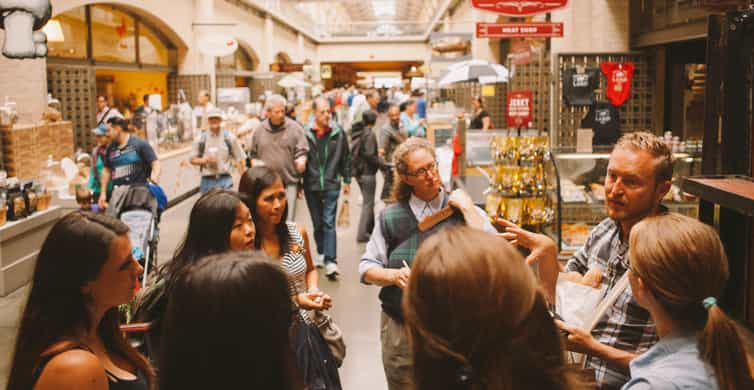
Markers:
(265, 196)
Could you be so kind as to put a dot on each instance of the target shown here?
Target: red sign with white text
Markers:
(518, 7)
(519, 30)
(519, 109)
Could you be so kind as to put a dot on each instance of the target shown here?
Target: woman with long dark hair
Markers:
(678, 271)
(69, 336)
(476, 318)
(218, 222)
(289, 244)
(226, 326)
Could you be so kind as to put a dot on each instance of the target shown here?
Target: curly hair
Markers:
(401, 190)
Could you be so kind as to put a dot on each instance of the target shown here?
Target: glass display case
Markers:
(582, 193)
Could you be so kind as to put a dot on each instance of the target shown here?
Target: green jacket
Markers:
(328, 161)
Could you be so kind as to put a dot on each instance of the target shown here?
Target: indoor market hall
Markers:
(376, 194)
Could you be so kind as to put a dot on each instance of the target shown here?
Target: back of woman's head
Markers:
(73, 254)
(683, 264)
(473, 306)
(227, 326)
(210, 223)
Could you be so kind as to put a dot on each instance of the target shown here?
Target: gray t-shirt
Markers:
(217, 146)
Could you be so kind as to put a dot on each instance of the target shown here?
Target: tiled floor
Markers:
(356, 308)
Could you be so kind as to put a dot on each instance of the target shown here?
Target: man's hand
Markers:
(380, 152)
(401, 276)
(154, 179)
(102, 202)
(346, 189)
(579, 340)
(210, 160)
(543, 252)
(540, 245)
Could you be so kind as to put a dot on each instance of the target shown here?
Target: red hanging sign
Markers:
(519, 30)
(519, 113)
(518, 7)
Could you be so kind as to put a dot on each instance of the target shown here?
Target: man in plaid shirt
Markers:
(638, 177)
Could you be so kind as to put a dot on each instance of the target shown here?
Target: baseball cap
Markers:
(100, 130)
(215, 113)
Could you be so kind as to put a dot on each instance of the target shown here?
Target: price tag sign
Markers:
(519, 113)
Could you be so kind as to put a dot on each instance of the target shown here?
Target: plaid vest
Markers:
(403, 238)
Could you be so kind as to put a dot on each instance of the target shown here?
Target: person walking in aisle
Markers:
(415, 127)
(329, 163)
(391, 136)
(395, 240)
(288, 243)
(216, 152)
(105, 113)
(99, 154)
(365, 162)
(280, 143)
(130, 160)
(201, 111)
(678, 271)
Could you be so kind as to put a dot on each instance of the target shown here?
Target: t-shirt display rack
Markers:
(75, 87)
(635, 114)
(190, 84)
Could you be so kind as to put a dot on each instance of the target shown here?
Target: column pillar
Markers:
(269, 49)
(300, 54)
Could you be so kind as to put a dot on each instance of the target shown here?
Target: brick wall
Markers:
(26, 147)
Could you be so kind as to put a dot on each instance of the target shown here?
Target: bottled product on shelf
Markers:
(518, 188)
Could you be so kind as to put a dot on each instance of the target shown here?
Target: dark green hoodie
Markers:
(329, 160)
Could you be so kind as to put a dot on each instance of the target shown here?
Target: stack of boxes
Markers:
(26, 147)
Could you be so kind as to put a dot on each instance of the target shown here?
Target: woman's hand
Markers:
(315, 300)
(578, 340)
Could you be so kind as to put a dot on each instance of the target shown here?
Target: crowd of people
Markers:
(239, 305)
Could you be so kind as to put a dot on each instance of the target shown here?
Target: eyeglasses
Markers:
(424, 171)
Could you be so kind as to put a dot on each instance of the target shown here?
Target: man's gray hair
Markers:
(275, 101)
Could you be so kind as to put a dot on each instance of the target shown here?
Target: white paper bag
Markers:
(575, 302)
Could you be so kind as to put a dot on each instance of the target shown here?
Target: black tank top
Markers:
(114, 383)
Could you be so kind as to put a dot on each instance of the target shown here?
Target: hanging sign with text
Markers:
(519, 113)
(519, 30)
(519, 7)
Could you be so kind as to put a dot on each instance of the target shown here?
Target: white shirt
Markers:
(376, 251)
(111, 113)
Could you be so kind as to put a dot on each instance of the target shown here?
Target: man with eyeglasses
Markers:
(396, 238)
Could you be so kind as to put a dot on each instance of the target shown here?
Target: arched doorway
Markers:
(283, 58)
(121, 52)
(235, 70)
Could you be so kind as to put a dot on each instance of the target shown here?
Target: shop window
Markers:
(113, 35)
(72, 43)
(240, 60)
(152, 50)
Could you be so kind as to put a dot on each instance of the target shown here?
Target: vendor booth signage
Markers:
(518, 7)
(519, 30)
(519, 113)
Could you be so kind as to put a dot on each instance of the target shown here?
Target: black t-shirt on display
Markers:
(476, 122)
(604, 119)
(578, 88)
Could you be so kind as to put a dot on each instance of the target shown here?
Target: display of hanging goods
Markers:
(579, 84)
(478, 70)
(619, 76)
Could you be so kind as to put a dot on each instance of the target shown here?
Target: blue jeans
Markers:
(322, 206)
(221, 181)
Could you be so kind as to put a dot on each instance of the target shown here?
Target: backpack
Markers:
(357, 162)
(226, 138)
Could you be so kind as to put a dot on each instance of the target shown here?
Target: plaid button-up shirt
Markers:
(625, 325)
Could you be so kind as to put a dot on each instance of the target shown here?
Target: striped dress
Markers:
(294, 264)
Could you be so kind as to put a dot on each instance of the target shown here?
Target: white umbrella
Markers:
(475, 70)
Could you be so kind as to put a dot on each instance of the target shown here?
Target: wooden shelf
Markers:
(733, 192)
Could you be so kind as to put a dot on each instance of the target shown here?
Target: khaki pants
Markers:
(396, 355)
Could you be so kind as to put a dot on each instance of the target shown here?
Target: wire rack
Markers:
(75, 88)
(635, 114)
